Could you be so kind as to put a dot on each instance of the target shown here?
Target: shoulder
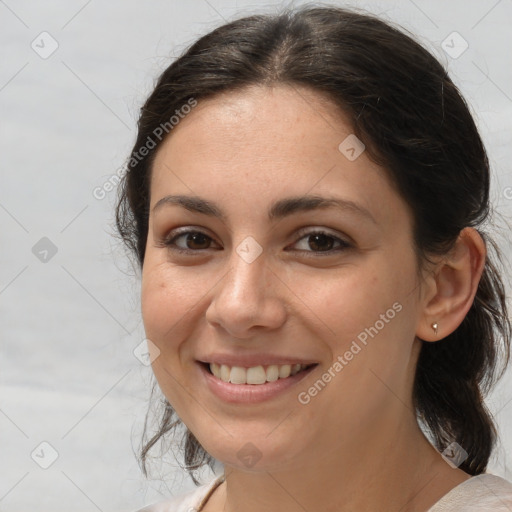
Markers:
(188, 502)
(479, 493)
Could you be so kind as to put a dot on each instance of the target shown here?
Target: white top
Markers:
(480, 493)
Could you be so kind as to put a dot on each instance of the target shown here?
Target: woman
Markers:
(305, 199)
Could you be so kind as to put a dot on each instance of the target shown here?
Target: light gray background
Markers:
(69, 325)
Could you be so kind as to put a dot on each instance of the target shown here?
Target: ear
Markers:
(450, 290)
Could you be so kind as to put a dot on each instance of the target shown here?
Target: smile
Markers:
(255, 375)
(256, 384)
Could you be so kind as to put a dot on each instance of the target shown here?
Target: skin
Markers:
(356, 445)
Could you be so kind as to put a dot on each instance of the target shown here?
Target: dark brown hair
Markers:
(416, 125)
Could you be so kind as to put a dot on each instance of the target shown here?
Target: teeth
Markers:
(223, 373)
(284, 371)
(255, 374)
(238, 375)
(295, 369)
(272, 373)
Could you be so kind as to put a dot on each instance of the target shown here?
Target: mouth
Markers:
(255, 375)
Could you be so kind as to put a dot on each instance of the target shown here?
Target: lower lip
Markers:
(250, 393)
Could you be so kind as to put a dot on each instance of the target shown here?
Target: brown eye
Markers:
(197, 241)
(321, 242)
(189, 241)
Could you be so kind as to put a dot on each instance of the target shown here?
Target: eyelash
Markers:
(169, 242)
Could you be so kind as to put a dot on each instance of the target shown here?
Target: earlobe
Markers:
(455, 283)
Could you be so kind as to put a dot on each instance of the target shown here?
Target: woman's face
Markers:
(268, 279)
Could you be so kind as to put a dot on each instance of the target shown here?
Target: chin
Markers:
(253, 453)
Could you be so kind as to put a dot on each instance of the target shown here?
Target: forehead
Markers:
(261, 143)
(258, 114)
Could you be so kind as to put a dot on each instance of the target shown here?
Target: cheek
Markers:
(370, 314)
(166, 302)
(368, 304)
(155, 303)
(347, 302)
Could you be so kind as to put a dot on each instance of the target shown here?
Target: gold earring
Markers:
(435, 326)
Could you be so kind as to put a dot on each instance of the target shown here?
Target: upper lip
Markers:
(249, 361)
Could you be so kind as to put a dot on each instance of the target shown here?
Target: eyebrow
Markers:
(278, 210)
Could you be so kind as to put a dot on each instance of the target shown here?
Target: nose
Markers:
(247, 299)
